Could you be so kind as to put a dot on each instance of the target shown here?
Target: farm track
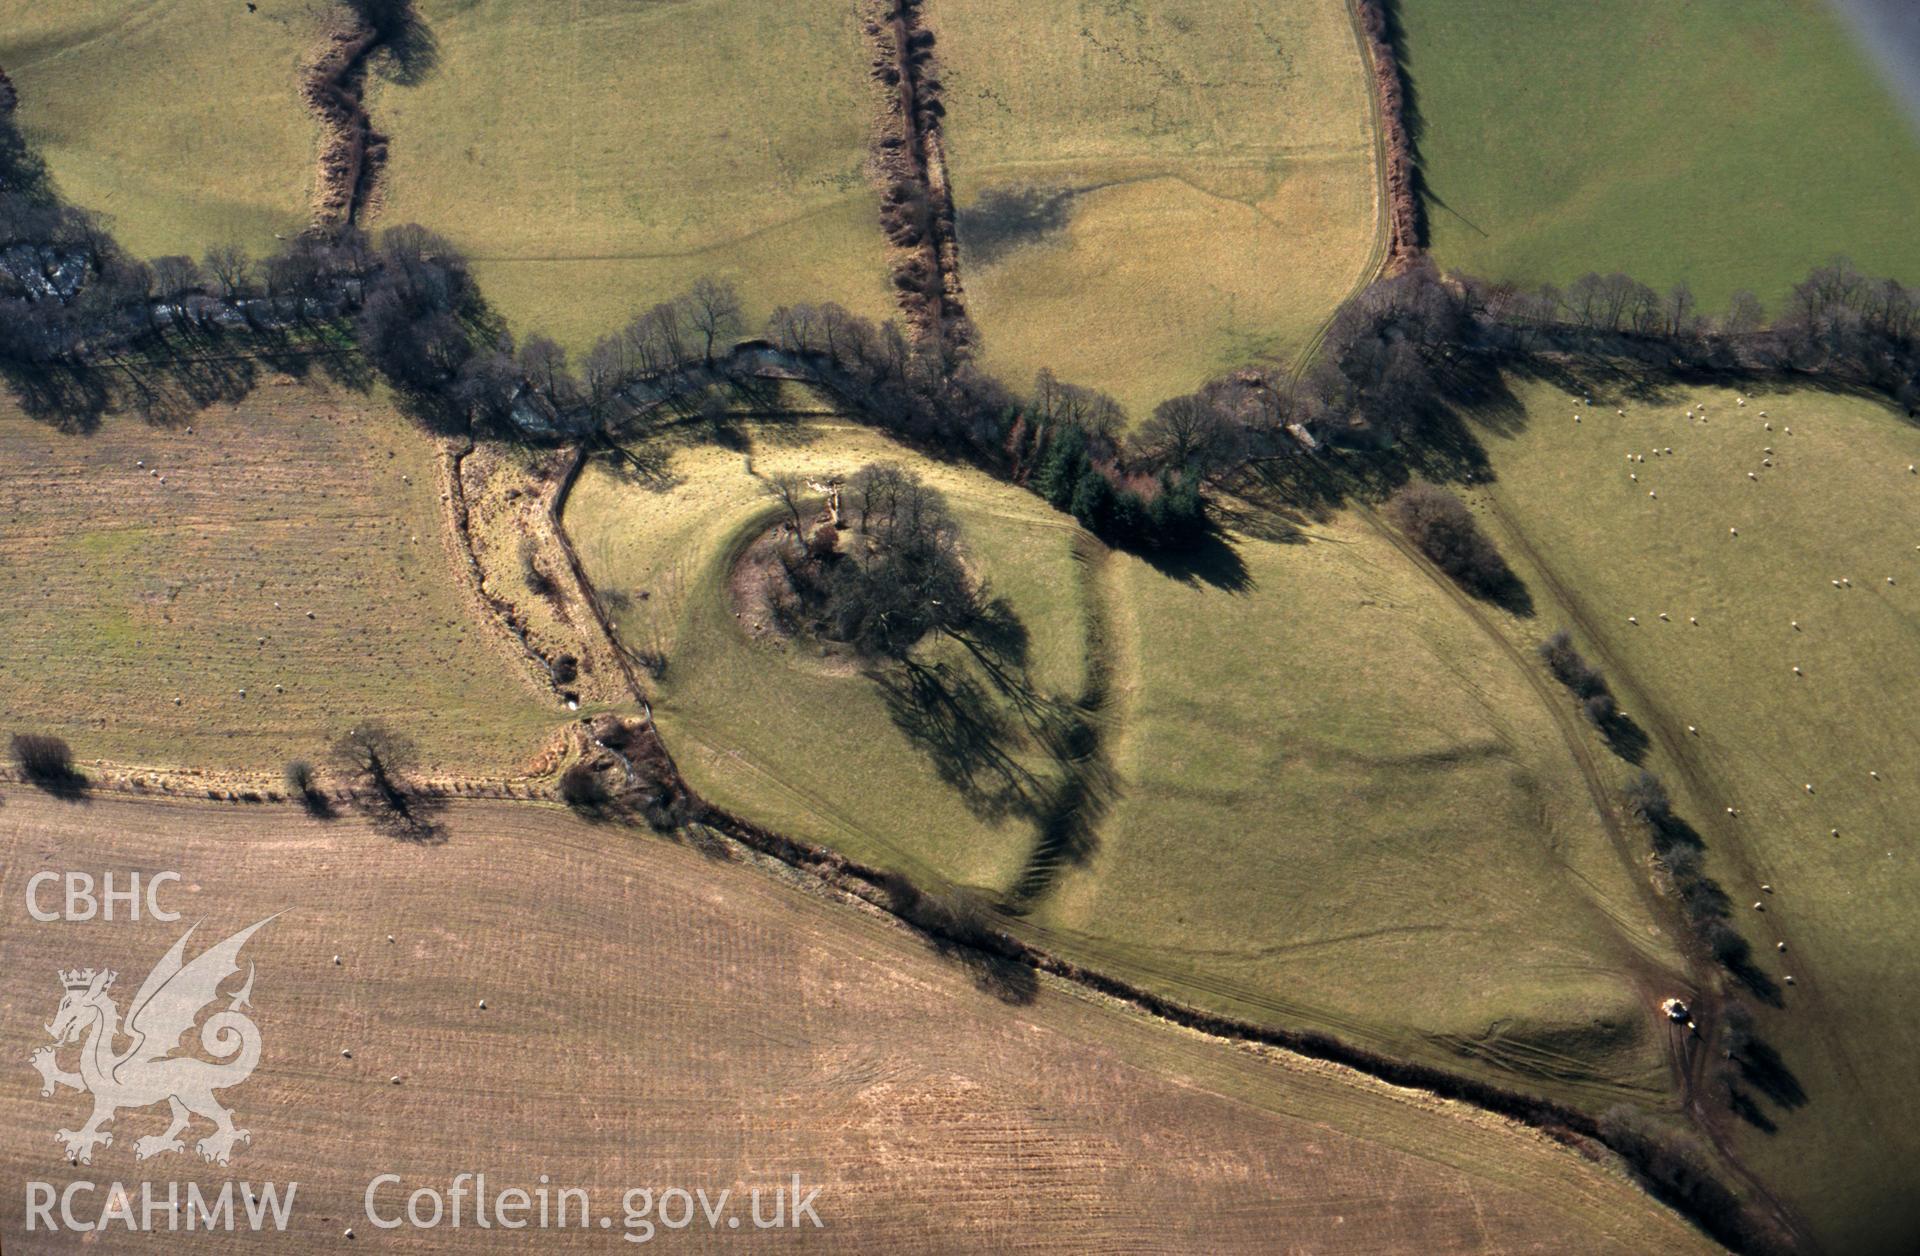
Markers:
(1571, 732)
(1702, 784)
(1383, 243)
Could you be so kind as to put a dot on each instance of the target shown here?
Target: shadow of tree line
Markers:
(980, 726)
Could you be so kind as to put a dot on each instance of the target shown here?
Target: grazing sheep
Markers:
(1633, 620)
(1788, 979)
(1694, 620)
(336, 961)
(1759, 906)
(1769, 427)
(1874, 775)
(345, 1054)
(1621, 413)
(1694, 731)
(1651, 493)
(1796, 671)
(1789, 431)
(1633, 477)
(1752, 476)
(1669, 450)
(1836, 832)
(1664, 619)
(1795, 623)
(1732, 812)
(483, 1005)
(1733, 531)
(1779, 946)
(1809, 787)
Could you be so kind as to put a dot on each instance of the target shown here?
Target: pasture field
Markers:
(655, 1017)
(1343, 805)
(1147, 196)
(124, 588)
(1728, 143)
(179, 119)
(1836, 503)
(599, 156)
(1320, 796)
(765, 726)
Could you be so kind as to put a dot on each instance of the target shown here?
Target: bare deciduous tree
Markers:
(713, 308)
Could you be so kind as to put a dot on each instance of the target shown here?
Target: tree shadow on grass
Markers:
(1625, 737)
(1213, 561)
(981, 737)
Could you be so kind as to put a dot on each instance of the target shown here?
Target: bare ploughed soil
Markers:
(657, 1016)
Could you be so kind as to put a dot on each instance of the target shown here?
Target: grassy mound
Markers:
(1726, 143)
(887, 770)
(182, 120)
(597, 157)
(191, 577)
(1148, 198)
(1836, 503)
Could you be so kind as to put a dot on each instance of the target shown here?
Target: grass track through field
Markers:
(1703, 784)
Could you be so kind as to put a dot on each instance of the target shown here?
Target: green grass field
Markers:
(180, 119)
(766, 726)
(1326, 797)
(598, 156)
(1727, 143)
(138, 603)
(1149, 197)
(1838, 503)
(1343, 805)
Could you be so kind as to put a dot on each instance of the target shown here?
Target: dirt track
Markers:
(659, 1017)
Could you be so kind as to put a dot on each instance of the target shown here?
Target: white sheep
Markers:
(1752, 476)
(1664, 619)
(1779, 946)
(1691, 729)
(1651, 493)
(1809, 787)
(1874, 775)
(1733, 531)
(1633, 620)
(1694, 620)
(1796, 671)
(336, 961)
(1788, 979)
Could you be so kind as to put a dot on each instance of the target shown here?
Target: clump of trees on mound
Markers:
(882, 578)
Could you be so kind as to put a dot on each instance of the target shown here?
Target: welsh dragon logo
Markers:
(147, 1072)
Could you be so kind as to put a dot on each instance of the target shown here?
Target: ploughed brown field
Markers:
(657, 1017)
